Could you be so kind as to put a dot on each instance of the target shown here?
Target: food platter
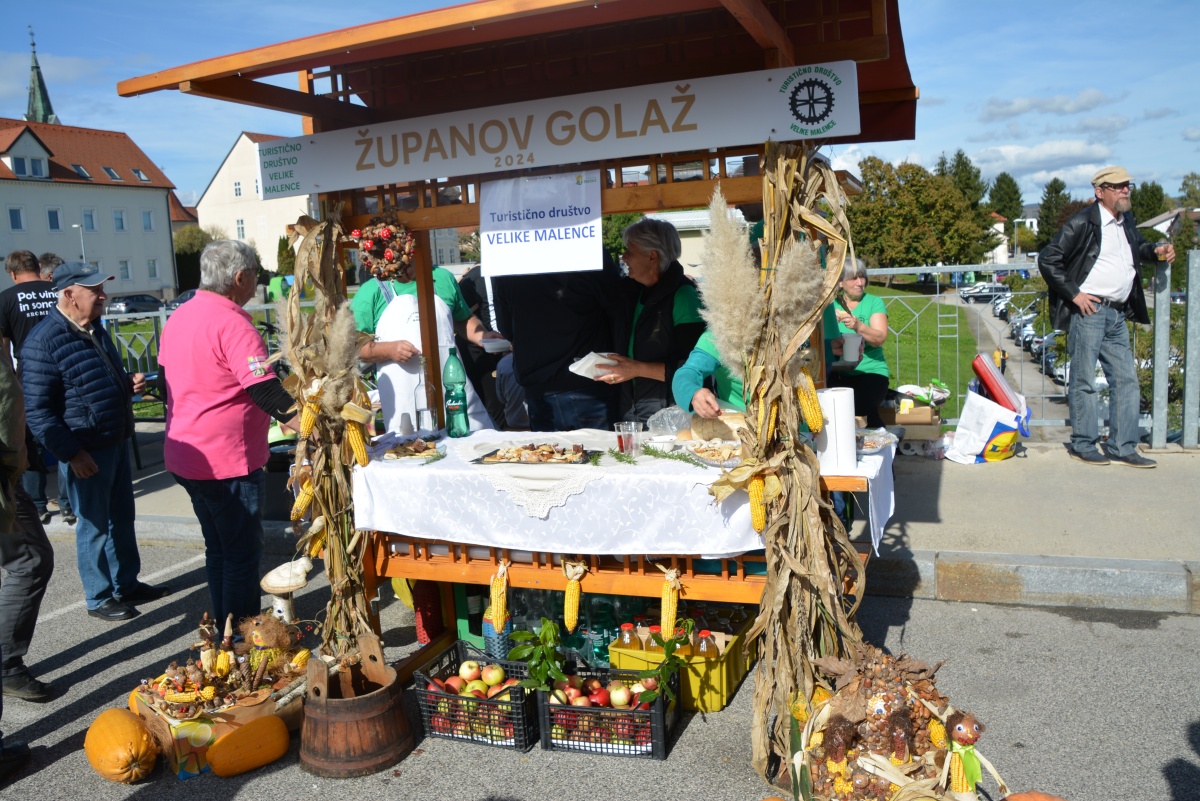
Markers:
(715, 452)
(416, 449)
(869, 441)
(546, 453)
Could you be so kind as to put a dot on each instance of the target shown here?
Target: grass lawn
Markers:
(927, 340)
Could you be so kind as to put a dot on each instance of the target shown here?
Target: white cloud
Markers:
(1192, 134)
(1011, 131)
(1000, 109)
(1109, 124)
(1054, 156)
(1159, 113)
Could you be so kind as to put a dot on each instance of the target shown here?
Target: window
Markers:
(83, 173)
(111, 173)
(152, 267)
(241, 229)
(147, 221)
(89, 219)
(16, 218)
(18, 166)
(118, 219)
(37, 168)
(123, 269)
(141, 176)
(237, 188)
(54, 219)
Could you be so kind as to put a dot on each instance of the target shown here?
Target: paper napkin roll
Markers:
(835, 444)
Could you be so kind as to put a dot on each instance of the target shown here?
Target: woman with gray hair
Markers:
(664, 309)
(857, 318)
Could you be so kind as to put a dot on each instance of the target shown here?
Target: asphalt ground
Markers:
(1088, 704)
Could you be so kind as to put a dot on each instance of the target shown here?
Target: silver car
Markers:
(134, 304)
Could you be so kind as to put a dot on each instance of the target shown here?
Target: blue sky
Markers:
(1037, 89)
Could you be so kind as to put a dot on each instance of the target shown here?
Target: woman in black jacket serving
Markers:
(665, 312)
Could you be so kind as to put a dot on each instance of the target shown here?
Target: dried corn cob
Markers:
(574, 571)
(357, 418)
(224, 663)
(499, 596)
(316, 537)
(208, 693)
(670, 598)
(758, 510)
(308, 418)
(183, 698)
(810, 407)
(958, 775)
(300, 660)
(937, 733)
(304, 499)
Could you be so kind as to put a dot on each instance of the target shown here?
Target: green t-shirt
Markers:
(686, 309)
(730, 388)
(370, 300)
(872, 358)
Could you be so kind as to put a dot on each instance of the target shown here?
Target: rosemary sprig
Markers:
(594, 458)
(681, 456)
(623, 458)
(438, 455)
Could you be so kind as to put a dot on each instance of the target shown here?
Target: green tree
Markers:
(1026, 239)
(965, 176)
(1184, 241)
(612, 225)
(285, 258)
(1004, 198)
(1189, 191)
(1054, 199)
(1148, 200)
(468, 246)
(191, 239)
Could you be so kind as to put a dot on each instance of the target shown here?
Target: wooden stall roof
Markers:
(502, 51)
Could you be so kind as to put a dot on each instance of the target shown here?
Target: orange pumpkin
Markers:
(259, 742)
(119, 746)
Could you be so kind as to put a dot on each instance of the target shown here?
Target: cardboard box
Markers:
(930, 432)
(919, 416)
(184, 744)
(707, 684)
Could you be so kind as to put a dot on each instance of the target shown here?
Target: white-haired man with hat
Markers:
(1091, 269)
(78, 402)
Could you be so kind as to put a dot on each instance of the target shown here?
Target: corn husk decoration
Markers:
(322, 347)
(762, 330)
(574, 571)
(672, 588)
(499, 595)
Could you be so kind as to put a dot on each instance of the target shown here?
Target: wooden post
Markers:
(423, 275)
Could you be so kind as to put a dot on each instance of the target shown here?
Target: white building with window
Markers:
(232, 204)
(90, 195)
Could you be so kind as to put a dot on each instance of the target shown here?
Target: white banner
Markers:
(813, 101)
(545, 224)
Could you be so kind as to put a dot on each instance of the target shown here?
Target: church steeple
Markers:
(39, 109)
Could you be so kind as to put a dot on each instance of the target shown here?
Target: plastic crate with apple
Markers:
(506, 719)
(707, 684)
(644, 733)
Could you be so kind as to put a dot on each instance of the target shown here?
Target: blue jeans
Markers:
(1102, 336)
(105, 544)
(567, 411)
(35, 484)
(230, 515)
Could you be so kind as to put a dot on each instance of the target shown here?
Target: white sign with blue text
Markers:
(546, 224)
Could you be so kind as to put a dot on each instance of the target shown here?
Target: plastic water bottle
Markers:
(454, 379)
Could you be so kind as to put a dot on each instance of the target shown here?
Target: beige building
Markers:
(232, 202)
(692, 225)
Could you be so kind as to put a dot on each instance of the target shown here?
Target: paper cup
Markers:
(852, 348)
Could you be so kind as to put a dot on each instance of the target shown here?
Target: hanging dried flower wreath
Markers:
(386, 247)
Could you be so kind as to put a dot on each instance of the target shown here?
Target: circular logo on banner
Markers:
(811, 101)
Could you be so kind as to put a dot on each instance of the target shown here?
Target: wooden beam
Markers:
(758, 22)
(277, 98)
(889, 96)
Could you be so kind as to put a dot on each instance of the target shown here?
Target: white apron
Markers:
(400, 383)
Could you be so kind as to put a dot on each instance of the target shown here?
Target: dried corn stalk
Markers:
(321, 347)
(803, 614)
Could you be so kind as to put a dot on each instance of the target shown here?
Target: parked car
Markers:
(1000, 305)
(1062, 374)
(1041, 342)
(983, 292)
(180, 299)
(1179, 298)
(134, 304)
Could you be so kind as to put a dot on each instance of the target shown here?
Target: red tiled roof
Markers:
(258, 138)
(180, 212)
(93, 149)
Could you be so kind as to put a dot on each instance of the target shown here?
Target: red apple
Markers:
(492, 675)
(441, 685)
(561, 684)
(572, 693)
(636, 688)
(494, 691)
(559, 697)
(614, 684)
(581, 700)
(620, 696)
(599, 697)
(591, 685)
(650, 683)
(478, 693)
(575, 680)
(455, 684)
(469, 670)
(511, 682)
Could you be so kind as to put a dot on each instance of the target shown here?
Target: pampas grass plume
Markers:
(733, 300)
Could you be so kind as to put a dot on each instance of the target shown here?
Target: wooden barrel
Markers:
(354, 722)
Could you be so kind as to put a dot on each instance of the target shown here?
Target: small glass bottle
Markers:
(723, 625)
(627, 638)
(706, 647)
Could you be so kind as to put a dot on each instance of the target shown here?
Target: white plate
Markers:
(497, 345)
(663, 442)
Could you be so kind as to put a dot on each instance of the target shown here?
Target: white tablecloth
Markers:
(656, 506)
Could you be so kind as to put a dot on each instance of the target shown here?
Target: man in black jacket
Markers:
(1091, 269)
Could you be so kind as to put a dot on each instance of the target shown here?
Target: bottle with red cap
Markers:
(706, 646)
(651, 645)
(627, 638)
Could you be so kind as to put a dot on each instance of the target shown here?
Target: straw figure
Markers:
(321, 348)
(762, 330)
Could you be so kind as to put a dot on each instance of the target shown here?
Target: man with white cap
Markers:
(78, 401)
(1091, 269)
